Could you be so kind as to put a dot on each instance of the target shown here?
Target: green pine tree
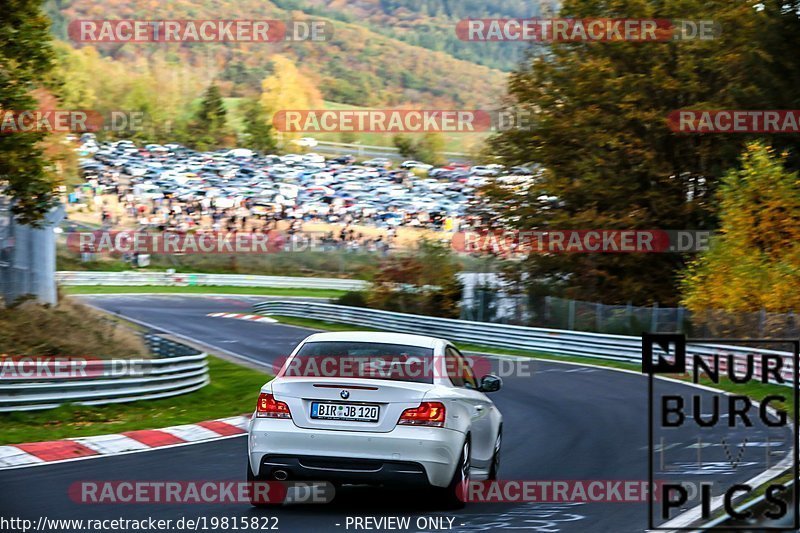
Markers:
(209, 129)
(258, 131)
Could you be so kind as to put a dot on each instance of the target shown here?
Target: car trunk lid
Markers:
(390, 397)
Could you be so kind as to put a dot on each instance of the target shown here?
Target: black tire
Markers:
(448, 497)
(494, 468)
(252, 478)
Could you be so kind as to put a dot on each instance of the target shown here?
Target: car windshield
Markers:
(364, 360)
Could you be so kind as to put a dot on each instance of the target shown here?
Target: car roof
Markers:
(421, 341)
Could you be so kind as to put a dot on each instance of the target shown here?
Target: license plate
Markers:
(344, 411)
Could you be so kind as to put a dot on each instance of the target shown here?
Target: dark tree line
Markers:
(597, 123)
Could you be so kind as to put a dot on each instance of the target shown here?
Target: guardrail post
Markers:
(629, 316)
(654, 319)
(679, 320)
(546, 318)
(598, 317)
(571, 317)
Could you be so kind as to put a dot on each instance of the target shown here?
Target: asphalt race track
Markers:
(564, 422)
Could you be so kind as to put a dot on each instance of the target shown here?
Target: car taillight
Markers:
(269, 407)
(427, 414)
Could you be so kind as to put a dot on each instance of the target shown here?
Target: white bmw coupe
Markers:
(379, 409)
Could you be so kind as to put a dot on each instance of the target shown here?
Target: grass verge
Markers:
(202, 289)
(233, 391)
(69, 329)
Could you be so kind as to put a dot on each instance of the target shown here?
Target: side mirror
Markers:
(490, 383)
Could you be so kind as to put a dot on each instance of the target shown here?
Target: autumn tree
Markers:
(427, 148)
(287, 89)
(76, 72)
(405, 145)
(430, 148)
(26, 56)
(424, 282)
(157, 93)
(754, 263)
(778, 72)
(593, 114)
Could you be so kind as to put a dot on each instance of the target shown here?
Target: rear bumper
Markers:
(343, 470)
(407, 455)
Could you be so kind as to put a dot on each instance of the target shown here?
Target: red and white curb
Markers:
(35, 453)
(241, 316)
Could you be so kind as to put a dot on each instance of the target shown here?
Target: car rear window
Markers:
(364, 360)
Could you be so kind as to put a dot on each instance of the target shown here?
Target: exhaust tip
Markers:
(280, 475)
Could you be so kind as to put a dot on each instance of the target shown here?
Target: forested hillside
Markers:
(430, 23)
(358, 66)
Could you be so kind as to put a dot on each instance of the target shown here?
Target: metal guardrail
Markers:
(143, 278)
(549, 341)
(373, 150)
(176, 369)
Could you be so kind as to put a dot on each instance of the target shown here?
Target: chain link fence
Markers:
(485, 300)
